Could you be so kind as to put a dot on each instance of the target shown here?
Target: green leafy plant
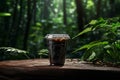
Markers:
(43, 53)
(103, 41)
(10, 53)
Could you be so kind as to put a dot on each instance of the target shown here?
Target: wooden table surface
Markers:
(39, 69)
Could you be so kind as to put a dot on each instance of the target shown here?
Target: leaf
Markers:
(10, 53)
(5, 14)
(92, 56)
(93, 22)
(90, 45)
(38, 24)
(84, 31)
(43, 52)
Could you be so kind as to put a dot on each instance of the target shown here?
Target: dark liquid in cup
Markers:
(57, 48)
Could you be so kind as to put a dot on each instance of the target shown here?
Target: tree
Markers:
(28, 24)
(34, 11)
(64, 13)
(98, 8)
(45, 10)
(14, 25)
(79, 9)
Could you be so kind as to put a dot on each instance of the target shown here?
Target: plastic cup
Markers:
(57, 46)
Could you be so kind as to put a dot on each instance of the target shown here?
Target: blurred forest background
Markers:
(24, 23)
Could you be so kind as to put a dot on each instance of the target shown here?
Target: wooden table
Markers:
(39, 69)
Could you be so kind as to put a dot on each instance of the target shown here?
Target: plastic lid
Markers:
(57, 36)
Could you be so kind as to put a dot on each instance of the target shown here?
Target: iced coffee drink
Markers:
(57, 45)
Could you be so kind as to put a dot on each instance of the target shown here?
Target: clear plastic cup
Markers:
(57, 45)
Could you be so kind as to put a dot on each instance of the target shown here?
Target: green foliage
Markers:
(91, 44)
(5, 14)
(112, 52)
(84, 31)
(103, 41)
(9, 53)
(43, 53)
(90, 4)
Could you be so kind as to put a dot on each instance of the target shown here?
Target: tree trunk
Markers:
(34, 11)
(4, 24)
(20, 13)
(14, 26)
(64, 13)
(98, 8)
(45, 13)
(80, 15)
(112, 10)
(28, 24)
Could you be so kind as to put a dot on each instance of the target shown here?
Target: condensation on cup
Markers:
(57, 46)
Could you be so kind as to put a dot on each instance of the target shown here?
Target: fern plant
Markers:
(103, 37)
(10, 53)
